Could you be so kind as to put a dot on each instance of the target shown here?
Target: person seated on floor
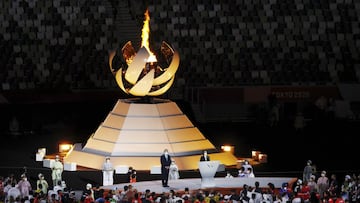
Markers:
(186, 193)
(304, 192)
(297, 186)
(88, 194)
(285, 192)
(249, 173)
(133, 176)
(241, 172)
(130, 173)
(246, 165)
(228, 175)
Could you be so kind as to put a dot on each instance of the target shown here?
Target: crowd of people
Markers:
(311, 187)
(14, 190)
(316, 190)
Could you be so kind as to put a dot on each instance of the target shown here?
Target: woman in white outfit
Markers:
(173, 171)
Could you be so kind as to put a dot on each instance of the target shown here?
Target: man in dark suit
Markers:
(165, 160)
(205, 157)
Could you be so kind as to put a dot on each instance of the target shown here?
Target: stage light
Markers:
(263, 158)
(228, 148)
(255, 155)
(64, 147)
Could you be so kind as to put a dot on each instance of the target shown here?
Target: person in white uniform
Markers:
(57, 171)
(108, 172)
(44, 184)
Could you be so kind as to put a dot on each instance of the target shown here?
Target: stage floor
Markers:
(195, 184)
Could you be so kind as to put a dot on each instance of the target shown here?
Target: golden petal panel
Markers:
(136, 67)
(143, 86)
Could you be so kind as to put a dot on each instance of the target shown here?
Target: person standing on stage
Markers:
(165, 161)
(174, 171)
(57, 170)
(24, 186)
(205, 157)
(308, 171)
(322, 184)
(108, 172)
(44, 184)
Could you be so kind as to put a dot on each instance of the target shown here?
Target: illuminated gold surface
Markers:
(136, 67)
(143, 78)
(142, 75)
(143, 86)
(171, 70)
(135, 134)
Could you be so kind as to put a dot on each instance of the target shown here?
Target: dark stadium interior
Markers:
(239, 62)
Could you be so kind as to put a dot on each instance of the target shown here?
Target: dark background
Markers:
(55, 77)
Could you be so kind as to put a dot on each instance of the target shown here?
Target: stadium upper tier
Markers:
(64, 44)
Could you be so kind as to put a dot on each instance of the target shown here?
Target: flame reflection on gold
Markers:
(143, 75)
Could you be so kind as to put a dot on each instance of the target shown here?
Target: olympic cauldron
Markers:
(142, 74)
(136, 133)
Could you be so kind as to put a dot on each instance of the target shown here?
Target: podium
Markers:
(207, 171)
